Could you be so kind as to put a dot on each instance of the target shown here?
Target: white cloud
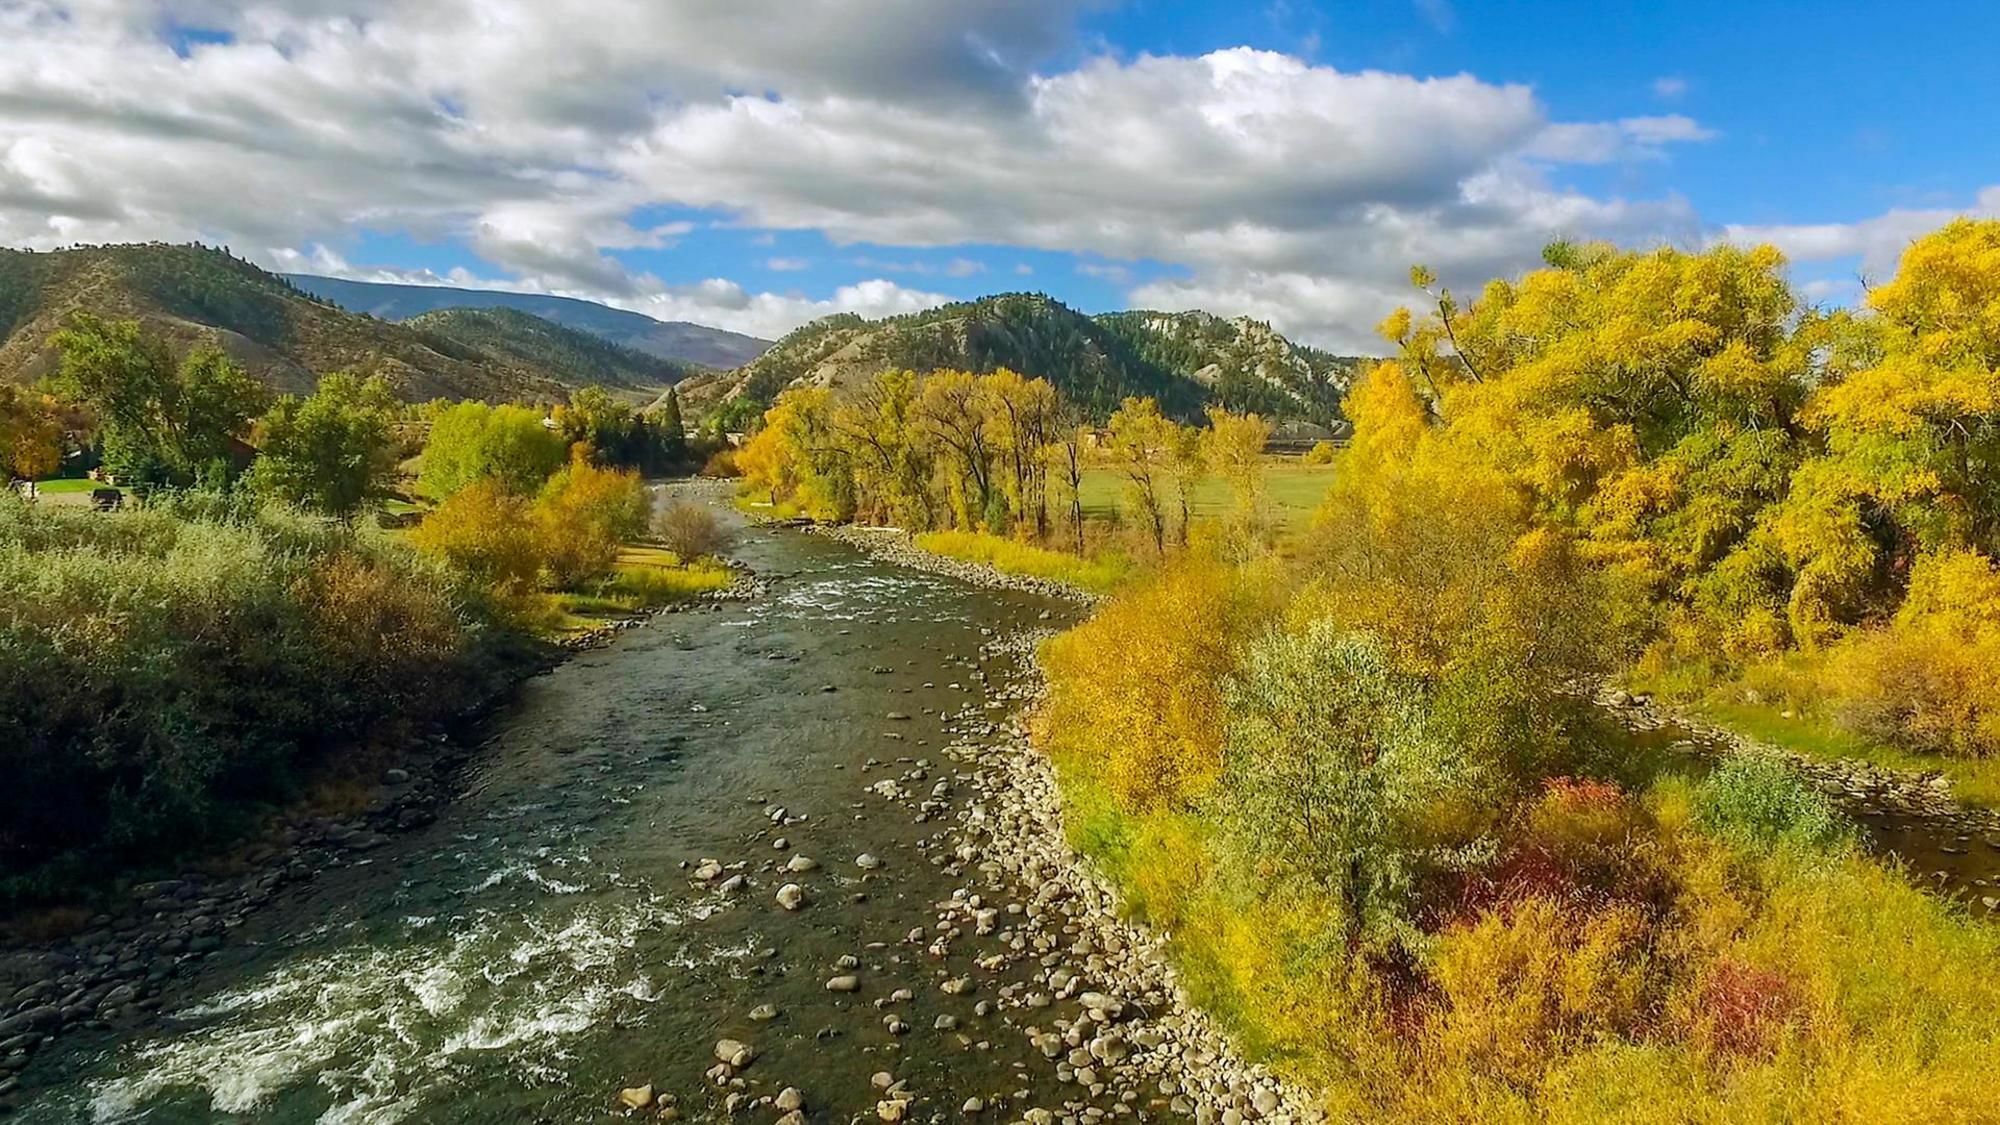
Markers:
(786, 265)
(533, 131)
(716, 301)
(1877, 241)
(1670, 88)
(1627, 139)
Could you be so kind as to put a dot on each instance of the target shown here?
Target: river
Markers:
(546, 942)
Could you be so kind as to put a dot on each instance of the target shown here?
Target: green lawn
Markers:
(66, 485)
(1295, 490)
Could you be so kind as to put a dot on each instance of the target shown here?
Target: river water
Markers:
(545, 943)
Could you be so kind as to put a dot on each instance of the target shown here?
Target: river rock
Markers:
(790, 1099)
(846, 983)
(791, 896)
(707, 870)
(636, 1097)
(800, 864)
(867, 861)
(764, 1013)
(735, 1052)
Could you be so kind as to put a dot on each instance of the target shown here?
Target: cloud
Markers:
(1670, 88)
(1878, 242)
(1632, 138)
(716, 301)
(1115, 274)
(956, 267)
(534, 131)
(786, 265)
(1442, 17)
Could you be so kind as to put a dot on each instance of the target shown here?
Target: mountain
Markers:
(675, 340)
(1033, 334)
(513, 337)
(1245, 364)
(1185, 360)
(193, 294)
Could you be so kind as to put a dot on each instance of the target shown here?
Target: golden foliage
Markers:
(1136, 693)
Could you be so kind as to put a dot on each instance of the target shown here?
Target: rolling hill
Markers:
(1246, 365)
(675, 340)
(194, 294)
(1185, 360)
(513, 337)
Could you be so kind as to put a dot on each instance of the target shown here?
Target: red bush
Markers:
(1744, 1010)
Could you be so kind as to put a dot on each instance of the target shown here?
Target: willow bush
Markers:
(163, 671)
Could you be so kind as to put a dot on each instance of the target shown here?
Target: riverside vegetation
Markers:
(166, 673)
(1361, 781)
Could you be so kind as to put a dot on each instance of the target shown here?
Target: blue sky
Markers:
(758, 166)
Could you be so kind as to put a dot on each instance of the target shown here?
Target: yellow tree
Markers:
(955, 411)
(1233, 447)
(1146, 447)
(30, 434)
(1063, 463)
(1919, 427)
(877, 423)
(1024, 410)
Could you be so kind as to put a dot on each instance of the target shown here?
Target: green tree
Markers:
(159, 422)
(506, 444)
(670, 429)
(1329, 766)
(332, 451)
(609, 427)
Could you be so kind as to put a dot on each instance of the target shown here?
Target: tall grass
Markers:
(1099, 575)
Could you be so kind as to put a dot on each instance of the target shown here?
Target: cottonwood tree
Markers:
(159, 421)
(333, 451)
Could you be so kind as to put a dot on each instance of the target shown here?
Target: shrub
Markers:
(1930, 680)
(1528, 983)
(1761, 801)
(1322, 453)
(1331, 771)
(721, 464)
(583, 515)
(1135, 693)
(688, 529)
(1744, 1009)
(485, 532)
(163, 671)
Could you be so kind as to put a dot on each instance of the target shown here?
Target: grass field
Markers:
(1295, 490)
(66, 486)
(646, 578)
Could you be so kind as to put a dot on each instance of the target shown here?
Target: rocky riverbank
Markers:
(894, 545)
(1104, 1005)
(1028, 943)
(1871, 788)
